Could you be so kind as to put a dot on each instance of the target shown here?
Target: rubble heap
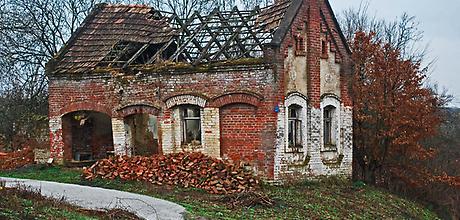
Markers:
(16, 159)
(182, 169)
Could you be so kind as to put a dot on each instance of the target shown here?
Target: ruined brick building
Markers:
(268, 87)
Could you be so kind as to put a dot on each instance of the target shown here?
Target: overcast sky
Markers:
(441, 25)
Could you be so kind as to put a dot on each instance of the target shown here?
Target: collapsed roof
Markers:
(122, 35)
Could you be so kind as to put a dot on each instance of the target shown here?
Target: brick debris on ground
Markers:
(182, 169)
(16, 159)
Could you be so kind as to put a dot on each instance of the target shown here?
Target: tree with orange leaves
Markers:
(393, 110)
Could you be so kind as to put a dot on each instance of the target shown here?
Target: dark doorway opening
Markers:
(142, 134)
(87, 136)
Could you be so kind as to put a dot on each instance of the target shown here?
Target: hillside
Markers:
(448, 143)
(21, 204)
(325, 199)
(446, 199)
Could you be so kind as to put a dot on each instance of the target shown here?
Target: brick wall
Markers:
(240, 132)
(242, 106)
(328, 75)
(126, 94)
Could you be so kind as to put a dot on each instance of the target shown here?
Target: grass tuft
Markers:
(327, 198)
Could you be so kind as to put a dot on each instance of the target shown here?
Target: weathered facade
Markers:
(267, 88)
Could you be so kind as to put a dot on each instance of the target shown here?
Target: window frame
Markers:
(328, 125)
(295, 140)
(183, 111)
(333, 104)
(300, 102)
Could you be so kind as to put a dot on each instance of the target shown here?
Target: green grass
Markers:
(326, 199)
(18, 204)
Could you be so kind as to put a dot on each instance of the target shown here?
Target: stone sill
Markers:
(294, 150)
(304, 163)
(334, 162)
(192, 147)
(329, 148)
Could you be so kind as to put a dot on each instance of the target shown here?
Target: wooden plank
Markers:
(157, 55)
(230, 28)
(136, 55)
(192, 36)
(204, 53)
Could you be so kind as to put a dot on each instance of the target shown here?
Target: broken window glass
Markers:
(191, 125)
(294, 127)
(328, 120)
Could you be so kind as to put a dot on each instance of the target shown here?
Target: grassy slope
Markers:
(13, 205)
(21, 204)
(327, 199)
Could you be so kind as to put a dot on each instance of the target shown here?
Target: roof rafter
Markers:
(119, 36)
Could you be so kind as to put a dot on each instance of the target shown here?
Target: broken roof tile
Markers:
(110, 24)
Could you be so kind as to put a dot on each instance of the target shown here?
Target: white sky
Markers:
(440, 21)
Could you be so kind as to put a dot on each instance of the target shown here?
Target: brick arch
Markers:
(137, 109)
(330, 96)
(85, 106)
(187, 99)
(232, 98)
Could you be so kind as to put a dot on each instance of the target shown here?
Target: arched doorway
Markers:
(87, 136)
(142, 134)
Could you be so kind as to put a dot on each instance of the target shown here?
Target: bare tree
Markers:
(185, 8)
(403, 33)
(33, 31)
(250, 4)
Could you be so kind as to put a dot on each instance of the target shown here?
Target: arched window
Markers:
(328, 123)
(296, 119)
(191, 124)
(294, 127)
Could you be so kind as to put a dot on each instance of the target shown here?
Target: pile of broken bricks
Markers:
(180, 169)
(16, 159)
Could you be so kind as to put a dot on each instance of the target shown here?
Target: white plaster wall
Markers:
(119, 137)
(176, 130)
(296, 69)
(279, 163)
(330, 75)
(167, 141)
(210, 131)
(347, 139)
(326, 163)
(286, 158)
(314, 161)
(55, 124)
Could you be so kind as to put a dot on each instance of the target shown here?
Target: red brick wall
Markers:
(67, 96)
(111, 95)
(106, 93)
(316, 15)
(239, 132)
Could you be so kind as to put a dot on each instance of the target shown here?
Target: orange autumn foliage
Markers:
(394, 114)
(393, 110)
(16, 159)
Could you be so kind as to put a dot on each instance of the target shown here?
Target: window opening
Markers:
(294, 127)
(191, 123)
